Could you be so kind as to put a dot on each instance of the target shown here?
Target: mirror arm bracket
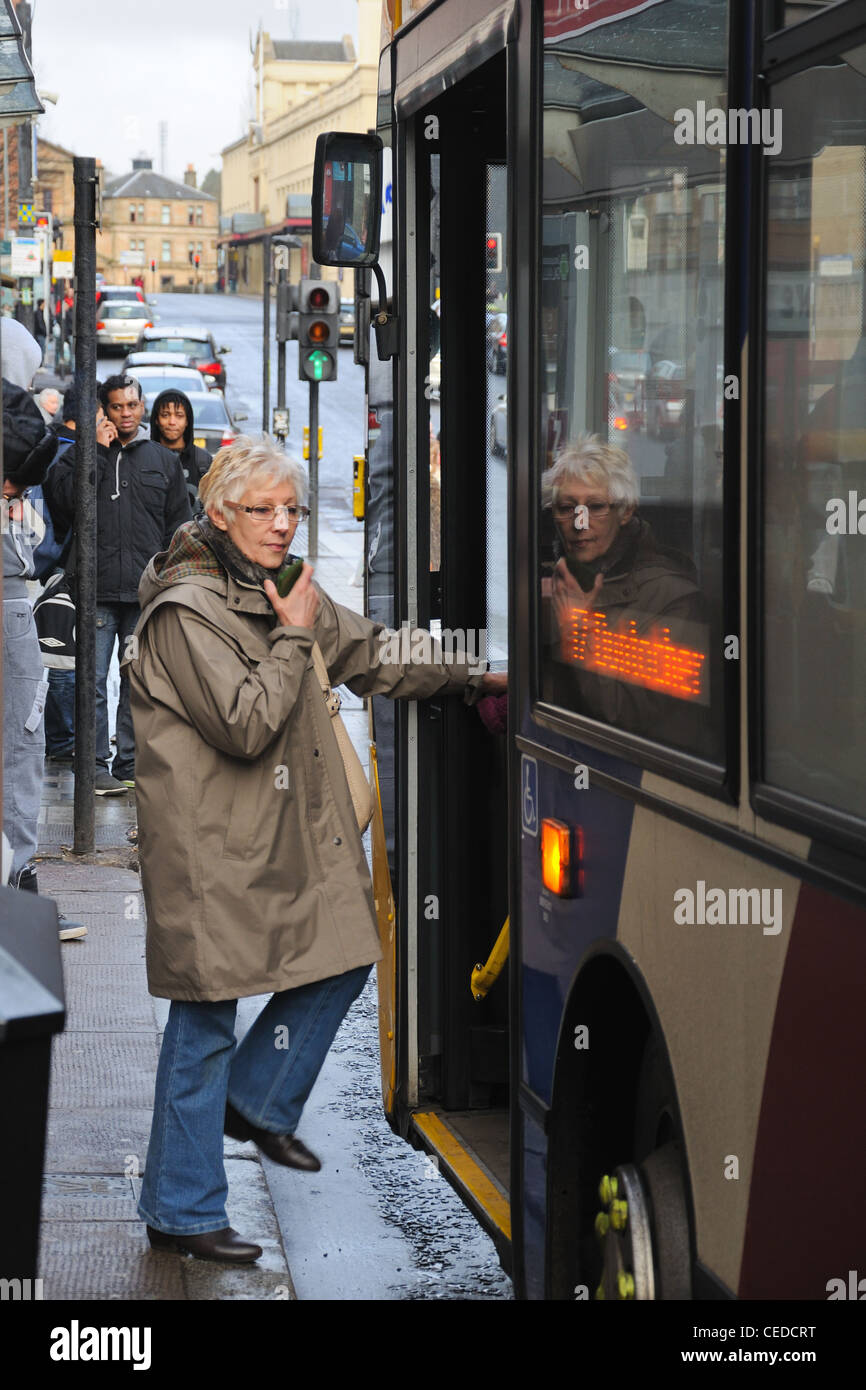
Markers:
(385, 324)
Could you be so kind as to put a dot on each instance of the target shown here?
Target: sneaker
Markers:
(70, 931)
(106, 785)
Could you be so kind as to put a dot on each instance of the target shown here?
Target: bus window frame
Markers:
(796, 49)
(718, 780)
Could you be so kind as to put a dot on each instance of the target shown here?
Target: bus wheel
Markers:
(644, 1230)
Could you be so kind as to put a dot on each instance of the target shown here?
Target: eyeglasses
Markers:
(265, 515)
(563, 510)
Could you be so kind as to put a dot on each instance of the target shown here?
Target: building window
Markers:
(198, 214)
(166, 214)
(141, 246)
(132, 243)
(141, 212)
(166, 250)
(47, 197)
(199, 248)
(190, 212)
(132, 212)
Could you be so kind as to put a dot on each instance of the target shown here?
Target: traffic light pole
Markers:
(314, 469)
(281, 278)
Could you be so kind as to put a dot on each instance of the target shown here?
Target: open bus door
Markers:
(442, 495)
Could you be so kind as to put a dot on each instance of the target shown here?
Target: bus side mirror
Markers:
(347, 199)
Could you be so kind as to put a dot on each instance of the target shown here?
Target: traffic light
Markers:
(197, 258)
(287, 317)
(153, 267)
(318, 330)
(494, 251)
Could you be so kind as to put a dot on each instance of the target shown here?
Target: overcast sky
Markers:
(119, 67)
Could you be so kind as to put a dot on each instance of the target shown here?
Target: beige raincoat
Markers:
(253, 869)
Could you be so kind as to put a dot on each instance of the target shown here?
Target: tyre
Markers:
(644, 1222)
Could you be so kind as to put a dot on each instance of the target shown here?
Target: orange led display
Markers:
(653, 661)
(561, 870)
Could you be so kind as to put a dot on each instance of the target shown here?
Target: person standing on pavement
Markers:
(40, 331)
(27, 451)
(253, 868)
(172, 423)
(141, 499)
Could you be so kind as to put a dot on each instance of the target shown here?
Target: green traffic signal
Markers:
(318, 365)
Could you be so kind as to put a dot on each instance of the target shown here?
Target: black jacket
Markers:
(141, 499)
(194, 460)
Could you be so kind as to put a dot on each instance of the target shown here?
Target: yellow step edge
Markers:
(471, 1176)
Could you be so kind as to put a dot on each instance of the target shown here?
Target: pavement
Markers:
(93, 1245)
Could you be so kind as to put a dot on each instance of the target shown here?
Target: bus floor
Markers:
(471, 1148)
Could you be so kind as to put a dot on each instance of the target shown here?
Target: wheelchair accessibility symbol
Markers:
(529, 794)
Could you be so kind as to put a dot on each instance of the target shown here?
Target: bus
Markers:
(630, 232)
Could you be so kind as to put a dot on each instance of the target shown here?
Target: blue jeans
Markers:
(267, 1077)
(60, 713)
(23, 748)
(114, 620)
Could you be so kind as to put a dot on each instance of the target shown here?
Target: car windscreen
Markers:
(152, 385)
(125, 311)
(193, 347)
(209, 412)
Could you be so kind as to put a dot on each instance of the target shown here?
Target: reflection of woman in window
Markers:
(625, 628)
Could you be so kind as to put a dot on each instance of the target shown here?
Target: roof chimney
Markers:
(189, 176)
(142, 162)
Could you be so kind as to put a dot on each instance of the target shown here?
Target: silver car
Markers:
(120, 323)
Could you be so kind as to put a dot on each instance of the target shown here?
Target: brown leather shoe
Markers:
(282, 1148)
(225, 1245)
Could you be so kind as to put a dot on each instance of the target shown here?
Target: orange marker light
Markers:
(561, 855)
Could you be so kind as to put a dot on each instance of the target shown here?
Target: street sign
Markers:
(63, 259)
(132, 258)
(26, 256)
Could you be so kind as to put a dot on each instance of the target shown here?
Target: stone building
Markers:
(151, 220)
(301, 89)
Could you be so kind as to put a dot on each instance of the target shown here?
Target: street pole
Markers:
(282, 276)
(314, 468)
(85, 181)
(266, 334)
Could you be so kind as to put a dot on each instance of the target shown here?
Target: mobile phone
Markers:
(288, 577)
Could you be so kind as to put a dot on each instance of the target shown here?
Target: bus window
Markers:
(632, 377)
(815, 441)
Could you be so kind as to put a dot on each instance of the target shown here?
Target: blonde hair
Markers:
(249, 461)
(589, 460)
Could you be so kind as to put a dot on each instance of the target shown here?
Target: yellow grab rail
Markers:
(483, 976)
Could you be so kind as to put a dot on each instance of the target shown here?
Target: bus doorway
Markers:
(452, 807)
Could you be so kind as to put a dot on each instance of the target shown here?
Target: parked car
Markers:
(497, 344)
(499, 428)
(120, 322)
(176, 361)
(194, 341)
(666, 398)
(347, 320)
(628, 375)
(214, 426)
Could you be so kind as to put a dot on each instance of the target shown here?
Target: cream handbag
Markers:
(359, 787)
